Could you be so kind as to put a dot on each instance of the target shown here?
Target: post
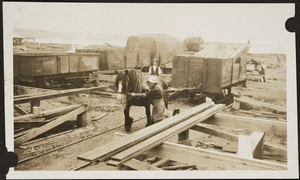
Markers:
(82, 120)
(34, 103)
(236, 104)
(183, 136)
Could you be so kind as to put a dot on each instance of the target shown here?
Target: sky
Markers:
(262, 24)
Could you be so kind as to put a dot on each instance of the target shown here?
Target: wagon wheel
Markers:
(191, 95)
(79, 83)
(40, 83)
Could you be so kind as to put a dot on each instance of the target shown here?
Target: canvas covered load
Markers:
(193, 44)
(160, 46)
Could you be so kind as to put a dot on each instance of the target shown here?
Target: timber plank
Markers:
(161, 162)
(178, 167)
(196, 156)
(261, 104)
(267, 93)
(164, 135)
(257, 140)
(141, 166)
(34, 133)
(201, 127)
(20, 110)
(191, 155)
(48, 113)
(55, 95)
(107, 150)
(250, 123)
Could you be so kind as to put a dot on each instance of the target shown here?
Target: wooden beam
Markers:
(268, 93)
(34, 133)
(202, 127)
(48, 113)
(56, 94)
(22, 133)
(82, 120)
(183, 166)
(196, 156)
(161, 162)
(244, 147)
(20, 110)
(107, 150)
(35, 103)
(251, 101)
(166, 134)
(140, 166)
(257, 140)
(249, 123)
(183, 136)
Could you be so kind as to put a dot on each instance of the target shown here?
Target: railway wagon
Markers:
(46, 70)
(212, 71)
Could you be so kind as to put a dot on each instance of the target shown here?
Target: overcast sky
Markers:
(262, 24)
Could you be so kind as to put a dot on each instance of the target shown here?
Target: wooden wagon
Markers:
(211, 72)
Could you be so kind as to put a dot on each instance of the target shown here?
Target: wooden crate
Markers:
(235, 73)
(63, 64)
(218, 74)
(196, 71)
(115, 58)
(38, 65)
(144, 58)
(179, 71)
(219, 64)
(88, 63)
(243, 68)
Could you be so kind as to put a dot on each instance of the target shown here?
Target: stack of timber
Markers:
(174, 156)
(270, 99)
(34, 125)
(138, 142)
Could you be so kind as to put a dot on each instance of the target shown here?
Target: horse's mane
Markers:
(135, 77)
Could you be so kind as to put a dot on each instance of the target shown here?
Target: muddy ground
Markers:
(101, 131)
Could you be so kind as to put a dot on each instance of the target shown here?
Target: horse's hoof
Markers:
(149, 124)
(127, 128)
(176, 111)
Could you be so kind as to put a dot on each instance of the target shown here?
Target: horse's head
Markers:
(129, 81)
(122, 83)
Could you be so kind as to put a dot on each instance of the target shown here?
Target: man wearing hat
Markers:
(156, 99)
(155, 69)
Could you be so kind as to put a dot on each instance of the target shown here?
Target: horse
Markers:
(131, 81)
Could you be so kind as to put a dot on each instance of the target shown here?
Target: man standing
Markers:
(155, 69)
(156, 99)
(261, 70)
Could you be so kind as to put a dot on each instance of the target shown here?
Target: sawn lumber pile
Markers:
(126, 148)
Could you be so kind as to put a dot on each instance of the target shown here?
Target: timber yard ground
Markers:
(111, 120)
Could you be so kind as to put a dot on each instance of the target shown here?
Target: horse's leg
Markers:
(128, 119)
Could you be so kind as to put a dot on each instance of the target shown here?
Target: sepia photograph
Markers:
(150, 90)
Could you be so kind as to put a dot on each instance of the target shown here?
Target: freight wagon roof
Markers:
(223, 50)
(54, 54)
